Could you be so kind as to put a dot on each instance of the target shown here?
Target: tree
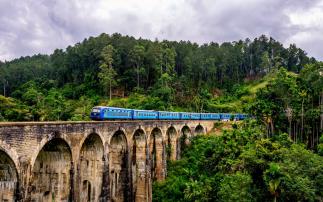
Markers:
(3, 79)
(265, 62)
(236, 187)
(273, 179)
(107, 74)
(137, 57)
(56, 108)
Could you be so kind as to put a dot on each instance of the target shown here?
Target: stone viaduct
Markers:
(89, 161)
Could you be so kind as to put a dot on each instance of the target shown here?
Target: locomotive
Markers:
(101, 113)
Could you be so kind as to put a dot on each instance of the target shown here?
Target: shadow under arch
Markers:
(156, 154)
(52, 173)
(8, 177)
(90, 168)
(170, 143)
(44, 141)
(183, 140)
(199, 130)
(119, 167)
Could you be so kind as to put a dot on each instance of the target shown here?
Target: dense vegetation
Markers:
(164, 75)
(180, 76)
(243, 165)
(264, 159)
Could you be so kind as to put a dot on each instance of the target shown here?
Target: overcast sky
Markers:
(40, 26)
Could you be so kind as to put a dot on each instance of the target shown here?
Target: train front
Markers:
(96, 113)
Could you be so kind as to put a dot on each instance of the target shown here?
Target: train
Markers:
(101, 113)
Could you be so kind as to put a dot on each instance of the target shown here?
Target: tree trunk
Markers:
(4, 88)
(290, 128)
(272, 127)
(110, 93)
(302, 127)
(138, 76)
(296, 134)
(321, 110)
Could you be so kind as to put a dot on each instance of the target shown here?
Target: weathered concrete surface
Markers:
(89, 161)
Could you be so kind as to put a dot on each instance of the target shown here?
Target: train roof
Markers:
(110, 107)
(143, 110)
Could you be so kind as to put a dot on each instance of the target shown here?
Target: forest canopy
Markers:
(165, 75)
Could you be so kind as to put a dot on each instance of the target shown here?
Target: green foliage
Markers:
(243, 165)
(173, 75)
(236, 187)
(107, 74)
(290, 103)
(13, 110)
(320, 146)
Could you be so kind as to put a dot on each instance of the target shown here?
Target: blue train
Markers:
(113, 113)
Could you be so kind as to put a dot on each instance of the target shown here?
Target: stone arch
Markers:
(52, 173)
(90, 168)
(90, 134)
(44, 141)
(119, 167)
(156, 153)
(10, 152)
(139, 164)
(199, 130)
(8, 177)
(171, 143)
(183, 140)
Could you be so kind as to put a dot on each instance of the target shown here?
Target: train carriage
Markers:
(185, 115)
(145, 114)
(108, 113)
(243, 116)
(210, 116)
(112, 113)
(169, 115)
(195, 116)
(226, 116)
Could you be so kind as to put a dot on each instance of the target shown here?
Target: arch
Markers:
(171, 143)
(52, 172)
(10, 152)
(86, 191)
(186, 131)
(44, 141)
(199, 130)
(156, 154)
(119, 131)
(8, 177)
(90, 168)
(90, 134)
(183, 140)
(139, 163)
(119, 167)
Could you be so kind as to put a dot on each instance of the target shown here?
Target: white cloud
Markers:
(309, 35)
(30, 27)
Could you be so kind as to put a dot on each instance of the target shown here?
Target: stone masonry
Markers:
(89, 161)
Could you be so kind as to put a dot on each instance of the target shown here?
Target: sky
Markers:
(40, 26)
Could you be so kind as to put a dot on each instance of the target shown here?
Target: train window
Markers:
(96, 110)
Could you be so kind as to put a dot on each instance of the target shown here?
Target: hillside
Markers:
(139, 73)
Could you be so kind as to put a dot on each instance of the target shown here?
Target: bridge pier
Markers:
(88, 161)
